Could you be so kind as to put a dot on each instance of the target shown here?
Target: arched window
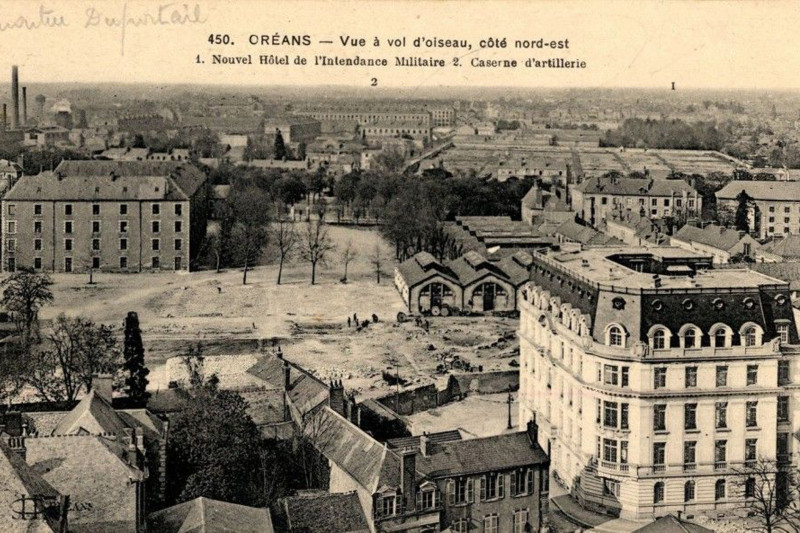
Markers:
(688, 491)
(720, 335)
(615, 336)
(658, 492)
(659, 340)
(750, 336)
(719, 490)
(690, 338)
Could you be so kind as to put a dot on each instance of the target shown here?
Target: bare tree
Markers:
(285, 239)
(313, 439)
(348, 255)
(316, 246)
(251, 218)
(75, 351)
(377, 260)
(25, 292)
(770, 492)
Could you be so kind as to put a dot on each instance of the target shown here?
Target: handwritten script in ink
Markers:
(122, 18)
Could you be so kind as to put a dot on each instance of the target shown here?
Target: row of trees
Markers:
(61, 362)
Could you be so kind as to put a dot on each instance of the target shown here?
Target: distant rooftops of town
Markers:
(642, 267)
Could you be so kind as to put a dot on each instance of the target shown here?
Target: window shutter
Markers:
(529, 487)
(483, 481)
(470, 491)
(501, 489)
(419, 500)
(451, 492)
(514, 489)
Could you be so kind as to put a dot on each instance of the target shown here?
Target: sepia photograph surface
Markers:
(422, 266)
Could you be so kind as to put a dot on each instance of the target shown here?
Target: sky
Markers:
(695, 44)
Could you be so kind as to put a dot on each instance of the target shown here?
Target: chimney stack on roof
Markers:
(102, 385)
(533, 431)
(17, 445)
(336, 397)
(424, 443)
(408, 477)
(287, 375)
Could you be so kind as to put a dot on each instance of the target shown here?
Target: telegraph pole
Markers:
(509, 401)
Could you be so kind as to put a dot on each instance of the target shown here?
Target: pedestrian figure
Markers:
(219, 290)
(374, 318)
(348, 321)
(355, 318)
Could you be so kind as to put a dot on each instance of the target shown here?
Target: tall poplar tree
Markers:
(136, 379)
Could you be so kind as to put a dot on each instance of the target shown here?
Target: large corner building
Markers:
(655, 379)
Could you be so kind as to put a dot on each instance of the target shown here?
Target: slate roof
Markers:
(204, 515)
(634, 187)
(93, 415)
(413, 441)
(788, 271)
(472, 266)
(90, 469)
(488, 454)
(672, 524)
(325, 513)
(422, 267)
(784, 191)
(47, 187)
(19, 479)
(787, 247)
(306, 392)
(368, 462)
(188, 177)
(712, 235)
(517, 267)
(584, 234)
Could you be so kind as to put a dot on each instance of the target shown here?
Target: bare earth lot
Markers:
(310, 322)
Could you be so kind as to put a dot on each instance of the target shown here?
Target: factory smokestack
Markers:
(14, 97)
(5, 123)
(24, 106)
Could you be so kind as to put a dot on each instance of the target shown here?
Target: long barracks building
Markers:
(120, 216)
(655, 379)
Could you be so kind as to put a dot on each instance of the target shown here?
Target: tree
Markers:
(348, 255)
(249, 234)
(133, 352)
(743, 205)
(25, 292)
(316, 246)
(13, 363)
(285, 239)
(771, 495)
(280, 147)
(377, 260)
(74, 352)
(213, 450)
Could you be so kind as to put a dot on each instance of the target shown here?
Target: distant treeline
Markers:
(672, 134)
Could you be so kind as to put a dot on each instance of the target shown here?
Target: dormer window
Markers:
(690, 336)
(721, 336)
(751, 334)
(388, 505)
(615, 335)
(659, 338)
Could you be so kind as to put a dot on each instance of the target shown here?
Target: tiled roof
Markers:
(500, 452)
(325, 513)
(91, 470)
(712, 235)
(786, 191)
(188, 177)
(441, 436)
(517, 267)
(634, 187)
(20, 480)
(672, 524)
(203, 515)
(305, 391)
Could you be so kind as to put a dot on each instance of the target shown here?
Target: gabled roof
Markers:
(93, 415)
(20, 480)
(472, 266)
(368, 462)
(488, 454)
(88, 468)
(785, 191)
(517, 267)
(634, 187)
(203, 515)
(305, 393)
(584, 234)
(712, 235)
(672, 524)
(787, 247)
(325, 513)
(422, 267)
